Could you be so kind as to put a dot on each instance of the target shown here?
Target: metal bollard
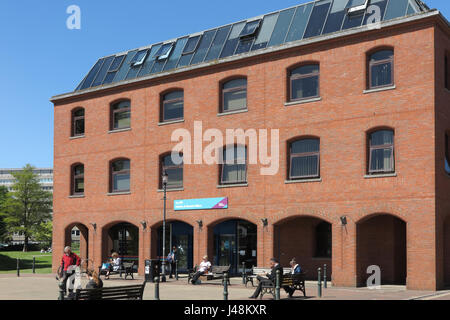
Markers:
(156, 288)
(18, 267)
(243, 272)
(277, 285)
(62, 290)
(325, 276)
(34, 265)
(319, 284)
(176, 269)
(225, 286)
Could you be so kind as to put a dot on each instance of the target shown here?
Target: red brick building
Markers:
(363, 112)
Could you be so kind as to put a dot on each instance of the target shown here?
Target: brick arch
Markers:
(83, 241)
(307, 238)
(364, 218)
(159, 223)
(217, 221)
(381, 241)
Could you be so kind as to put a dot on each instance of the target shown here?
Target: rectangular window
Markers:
(250, 29)
(120, 176)
(173, 171)
(234, 167)
(381, 69)
(173, 106)
(121, 115)
(305, 157)
(357, 5)
(381, 152)
(234, 95)
(164, 51)
(304, 83)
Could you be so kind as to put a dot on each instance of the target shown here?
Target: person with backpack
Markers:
(67, 270)
(172, 259)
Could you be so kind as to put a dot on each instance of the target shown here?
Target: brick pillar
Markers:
(57, 245)
(201, 240)
(95, 247)
(344, 254)
(141, 267)
(265, 244)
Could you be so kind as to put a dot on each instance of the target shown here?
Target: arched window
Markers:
(174, 170)
(120, 176)
(77, 178)
(234, 95)
(234, 165)
(304, 159)
(381, 152)
(172, 106)
(121, 115)
(323, 240)
(304, 82)
(381, 69)
(78, 122)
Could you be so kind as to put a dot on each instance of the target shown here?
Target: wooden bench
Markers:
(126, 268)
(294, 281)
(216, 272)
(256, 271)
(133, 292)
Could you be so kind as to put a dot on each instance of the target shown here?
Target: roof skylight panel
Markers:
(266, 31)
(354, 6)
(233, 39)
(92, 74)
(251, 29)
(203, 47)
(123, 71)
(396, 9)
(281, 27)
(114, 67)
(175, 56)
(102, 73)
(218, 43)
(317, 19)
(150, 61)
(299, 22)
(336, 16)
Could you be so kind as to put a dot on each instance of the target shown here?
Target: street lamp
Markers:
(165, 178)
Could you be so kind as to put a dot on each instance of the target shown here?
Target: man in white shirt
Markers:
(204, 267)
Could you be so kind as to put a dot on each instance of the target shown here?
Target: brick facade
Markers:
(412, 205)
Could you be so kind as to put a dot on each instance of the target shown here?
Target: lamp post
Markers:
(165, 178)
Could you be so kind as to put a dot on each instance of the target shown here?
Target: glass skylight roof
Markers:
(305, 21)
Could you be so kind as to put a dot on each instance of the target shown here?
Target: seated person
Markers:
(115, 264)
(270, 279)
(205, 266)
(94, 280)
(295, 269)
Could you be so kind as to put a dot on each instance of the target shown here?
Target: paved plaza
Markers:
(44, 287)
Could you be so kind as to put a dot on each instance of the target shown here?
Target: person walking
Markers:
(69, 262)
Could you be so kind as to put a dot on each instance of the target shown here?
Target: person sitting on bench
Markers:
(205, 266)
(115, 264)
(295, 269)
(94, 280)
(274, 265)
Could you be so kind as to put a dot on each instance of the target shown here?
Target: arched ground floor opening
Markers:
(234, 243)
(76, 236)
(308, 240)
(381, 241)
(180, 235)
(122, 238)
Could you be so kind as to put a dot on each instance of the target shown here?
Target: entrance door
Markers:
(227, 250)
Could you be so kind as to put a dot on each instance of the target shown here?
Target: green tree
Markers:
(28, 205)
(44, 232)
(3, 196)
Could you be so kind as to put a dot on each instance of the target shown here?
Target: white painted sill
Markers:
(303, 181)
(170, 122)
(374, 176)
(379, 89)
(231, 112)
(118, 193)
(236, 185)
(171, 190)
(294, 103)
(76, 196)
(119, 130)
(77, 137)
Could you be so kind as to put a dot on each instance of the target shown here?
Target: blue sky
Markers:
(40, 57)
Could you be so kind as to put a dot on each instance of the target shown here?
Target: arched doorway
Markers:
(77, 237)
(308, 240)
(180, 235)
(122, 238)
(234, 243)
(381, 241)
